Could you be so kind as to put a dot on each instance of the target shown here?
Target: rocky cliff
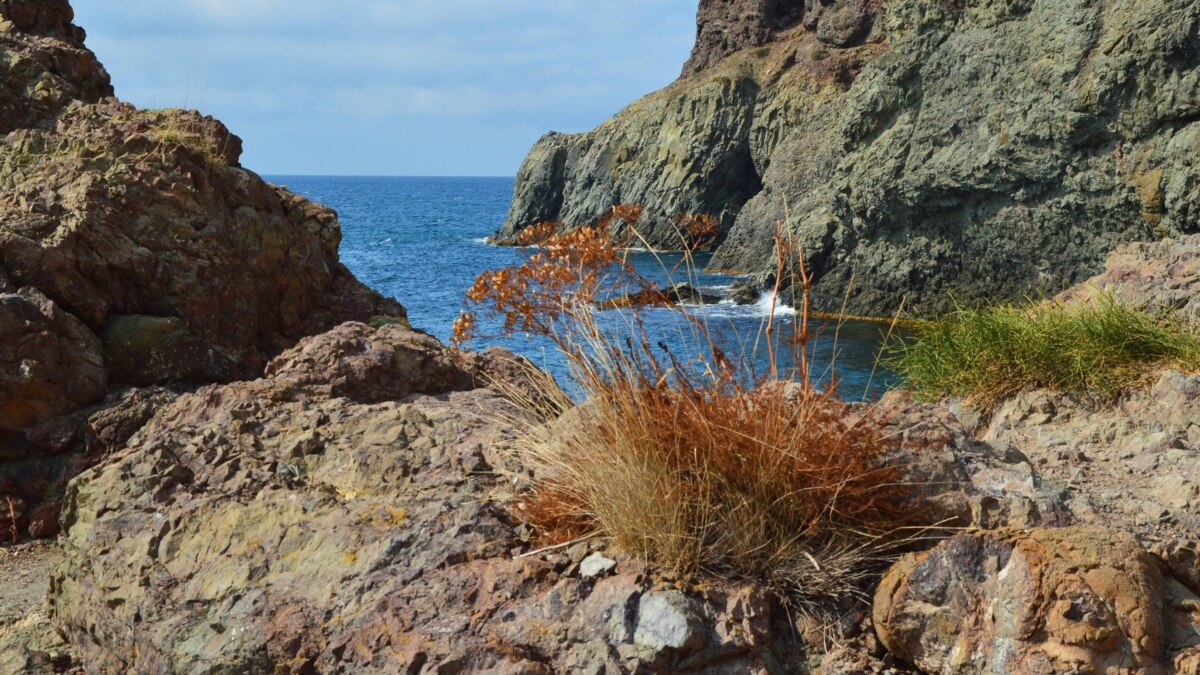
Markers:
(919, 149)
(135, 250)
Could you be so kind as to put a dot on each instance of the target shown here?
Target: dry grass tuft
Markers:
(696, 465)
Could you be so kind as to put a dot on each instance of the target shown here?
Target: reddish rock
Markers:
(1042, 601)
(46, 66)
(43, 520)
(357, 523)
(50, 363)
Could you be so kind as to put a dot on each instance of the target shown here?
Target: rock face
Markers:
(134, 250)
(46, 65)
(354, 523)
(50, 363)
(1158, 276)
(1046, 601)
(921, 148)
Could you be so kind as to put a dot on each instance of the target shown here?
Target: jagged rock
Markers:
(354, 523)
(46, 65)
(964, 482)
(1042, 601)
(637, 157)
(369, 365)
(50, 363)
(140, 227)
(1157, 276)
(669, 620)
(1130, 464)
(596, 565)
(924, 150)
(690, 295)
(157, 221)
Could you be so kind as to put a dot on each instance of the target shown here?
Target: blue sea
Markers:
(423, 241)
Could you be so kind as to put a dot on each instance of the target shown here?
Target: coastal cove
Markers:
(255, 418)
(424, 239)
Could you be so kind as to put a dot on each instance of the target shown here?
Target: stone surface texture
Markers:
(1070, 600)
(916, 148)
(134, 251)
(357, 524)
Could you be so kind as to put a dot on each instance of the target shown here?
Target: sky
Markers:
(390, 87)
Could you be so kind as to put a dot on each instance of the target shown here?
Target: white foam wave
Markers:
(766, 300)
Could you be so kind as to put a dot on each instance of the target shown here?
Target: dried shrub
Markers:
(696, 464)
(699, 231)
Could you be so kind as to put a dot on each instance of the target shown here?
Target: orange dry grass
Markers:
(697, 466)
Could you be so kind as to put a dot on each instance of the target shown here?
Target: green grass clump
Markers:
(1098, 349)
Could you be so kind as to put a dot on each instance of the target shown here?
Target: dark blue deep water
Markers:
(421, 240)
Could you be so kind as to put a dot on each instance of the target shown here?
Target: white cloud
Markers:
(477, 78)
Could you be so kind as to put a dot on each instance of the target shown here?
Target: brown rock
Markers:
(122, 416)
(1128, 465)
(50, 363)
(46, 65)
(1157, 276)
(369, 365)
(43, 520)
(1044, 601)
(845, 23)
(357, 524)
(965, 482)
(192, 267)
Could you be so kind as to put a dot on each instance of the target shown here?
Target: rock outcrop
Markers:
(46, 66)
(351, 512)
(134, 251)
(1069, 600)
(346, 513)
(1154, 276)
(50, 363)
(918, 148)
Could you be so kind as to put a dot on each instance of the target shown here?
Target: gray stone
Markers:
(670, 620)
(926, 150)
(596, 565)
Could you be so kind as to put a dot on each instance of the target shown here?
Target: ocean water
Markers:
(422, 241)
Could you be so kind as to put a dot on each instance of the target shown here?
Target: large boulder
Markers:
(50, 363)
(356, 523)
(144, 226)
(1042, 601)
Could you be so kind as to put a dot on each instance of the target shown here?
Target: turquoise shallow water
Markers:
(421, 240)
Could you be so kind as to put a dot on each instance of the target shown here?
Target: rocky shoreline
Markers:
(262, 468)
(919, 149)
